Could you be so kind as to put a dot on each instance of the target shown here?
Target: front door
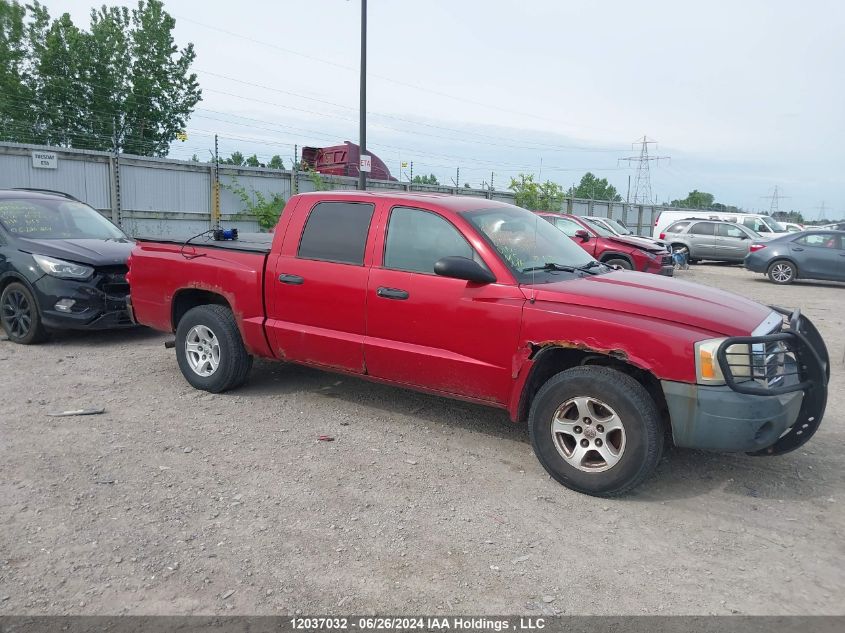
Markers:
(570, 228)
(434, 332)
(317, 286)
(731, 242)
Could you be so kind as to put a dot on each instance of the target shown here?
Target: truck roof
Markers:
(456, 204)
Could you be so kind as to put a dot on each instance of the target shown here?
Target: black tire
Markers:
(643, 430)
(19, 315)
(618, 261)
(234, 362)
(782, 272)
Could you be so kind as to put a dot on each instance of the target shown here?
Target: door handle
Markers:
(392, 293)
(293, 280)
(797, 249)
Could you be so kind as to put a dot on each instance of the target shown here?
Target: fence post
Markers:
(640, 221)
(114, 188)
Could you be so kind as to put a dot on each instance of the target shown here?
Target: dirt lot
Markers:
(177, 501)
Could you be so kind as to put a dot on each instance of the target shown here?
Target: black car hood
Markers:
(93, 252)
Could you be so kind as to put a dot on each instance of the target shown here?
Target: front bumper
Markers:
(99, 304)
(747, 416)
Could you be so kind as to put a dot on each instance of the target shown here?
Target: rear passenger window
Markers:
(336, 232)
(702, 228)
(677, 227)
(730, 230)
(416, 239)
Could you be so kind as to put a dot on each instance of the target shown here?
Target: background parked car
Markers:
(619, 228)
(792, 227)
(805, 255)
(705, 239)
(62, 266)
(762, 224)
(631, 253)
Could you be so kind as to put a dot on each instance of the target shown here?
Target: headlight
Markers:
(707, 369)
(62, 269)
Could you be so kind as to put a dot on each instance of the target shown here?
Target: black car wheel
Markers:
(782, 272)
(618, 261)
(19, 315)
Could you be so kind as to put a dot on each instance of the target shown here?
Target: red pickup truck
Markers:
(484, 301)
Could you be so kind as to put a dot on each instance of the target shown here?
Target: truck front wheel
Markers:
(596, 430)
(209, 349)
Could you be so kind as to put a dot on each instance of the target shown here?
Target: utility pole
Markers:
(412, 171)
(491, 181)
(362, 131)
(215, 188)
(628, 197)
(642, 186)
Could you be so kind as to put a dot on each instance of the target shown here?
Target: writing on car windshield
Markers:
(526, 242)
(56, 220)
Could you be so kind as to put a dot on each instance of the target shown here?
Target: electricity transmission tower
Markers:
(642, 186)
(774, 198)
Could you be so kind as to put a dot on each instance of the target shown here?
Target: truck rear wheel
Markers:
(209, 349)
(596, 430)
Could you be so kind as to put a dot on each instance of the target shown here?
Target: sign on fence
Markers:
(44, 160)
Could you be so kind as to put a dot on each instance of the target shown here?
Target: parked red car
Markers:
(631, 253)
(480, 300)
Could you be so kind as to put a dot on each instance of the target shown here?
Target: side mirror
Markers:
(463, 268)
(582, 235)
(743, 237)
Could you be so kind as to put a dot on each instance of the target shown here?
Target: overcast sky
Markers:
(743, 95)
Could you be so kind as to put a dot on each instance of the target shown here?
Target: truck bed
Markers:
(246, 242)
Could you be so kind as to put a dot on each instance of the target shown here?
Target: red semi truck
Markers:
(343, 160)
(484, 301)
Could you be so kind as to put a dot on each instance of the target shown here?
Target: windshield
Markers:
(623, 230)
(525, 241)
(51, 219)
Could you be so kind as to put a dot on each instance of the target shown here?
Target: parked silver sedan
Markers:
(710, 239)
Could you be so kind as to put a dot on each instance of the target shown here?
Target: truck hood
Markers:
(638, 242)
(93, 252)
(657, 297)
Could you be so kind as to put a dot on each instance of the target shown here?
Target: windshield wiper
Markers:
(553, 266)
(586, 267)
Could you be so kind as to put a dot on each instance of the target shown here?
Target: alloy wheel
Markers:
(202, 349)
(17, 314)
(588, 434)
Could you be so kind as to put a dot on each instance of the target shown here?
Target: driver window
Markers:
(416, 239)
(567, 226)
(726, 230)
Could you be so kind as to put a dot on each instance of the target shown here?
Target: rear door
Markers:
(731, 242)
(818, 255)
(435, 332)
(318, 285)
(702, 240)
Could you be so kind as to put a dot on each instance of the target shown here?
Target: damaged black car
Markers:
(62, 266)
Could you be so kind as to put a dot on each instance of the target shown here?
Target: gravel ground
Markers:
(179, 502)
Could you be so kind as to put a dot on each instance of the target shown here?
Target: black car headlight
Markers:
(62, 269)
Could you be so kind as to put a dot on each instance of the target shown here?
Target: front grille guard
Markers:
(810, 370)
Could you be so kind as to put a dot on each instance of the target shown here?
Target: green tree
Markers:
(594, 188)
(425, 180)
(547, 196)
(276, 162)
(695, 200)
(253, 161)
(122, 84)
(235, 159)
